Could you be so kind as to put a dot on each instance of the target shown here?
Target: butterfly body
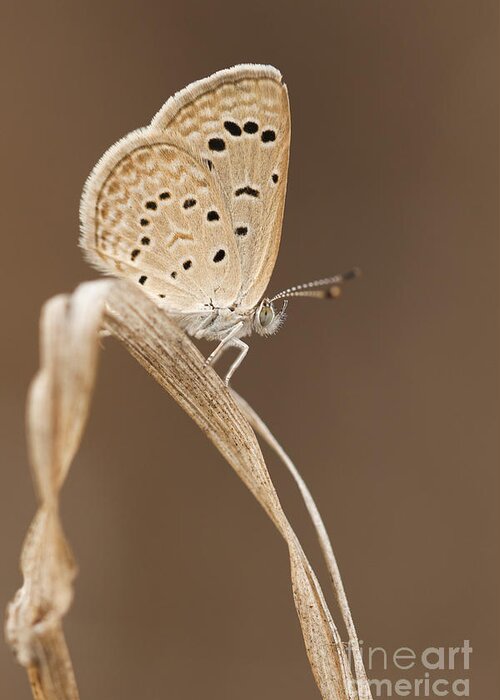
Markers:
(216, 324)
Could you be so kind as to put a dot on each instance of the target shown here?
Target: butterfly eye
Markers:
(266, 316)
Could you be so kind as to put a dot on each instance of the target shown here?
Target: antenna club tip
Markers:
(334, 292)
(353, 274)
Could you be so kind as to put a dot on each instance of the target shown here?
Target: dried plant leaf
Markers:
(166, 352)
(57, 408)
(326, 546)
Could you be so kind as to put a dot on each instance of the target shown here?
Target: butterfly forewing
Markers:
(191, 207)
(238, 120)
(154, 213)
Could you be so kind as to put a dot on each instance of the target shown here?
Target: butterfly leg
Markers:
(224, 343)
(228, 342)
(243, 348)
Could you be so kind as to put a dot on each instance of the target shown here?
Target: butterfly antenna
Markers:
(332, 287)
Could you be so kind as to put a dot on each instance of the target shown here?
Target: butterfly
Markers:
(191, 207)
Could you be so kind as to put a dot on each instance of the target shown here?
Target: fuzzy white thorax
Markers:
(217, 323)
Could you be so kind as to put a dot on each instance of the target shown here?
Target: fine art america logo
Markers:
(432, 672)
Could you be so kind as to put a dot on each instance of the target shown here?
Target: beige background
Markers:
(388, 400)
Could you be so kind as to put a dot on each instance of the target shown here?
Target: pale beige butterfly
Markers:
(191, 207)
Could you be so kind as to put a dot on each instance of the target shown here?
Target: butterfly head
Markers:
(266, 319)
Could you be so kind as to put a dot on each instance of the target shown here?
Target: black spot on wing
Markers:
(217, 144)
(233, 128)
(268, 135)
(250, 127)
(247, 190)
(219, 255)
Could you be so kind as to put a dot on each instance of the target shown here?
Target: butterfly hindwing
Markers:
(238, 121)
(155, 214)
(191, 207)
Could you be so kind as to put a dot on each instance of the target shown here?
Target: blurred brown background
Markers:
(387, 400)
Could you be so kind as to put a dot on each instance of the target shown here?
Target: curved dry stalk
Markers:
(57, 408)
(326, 546)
